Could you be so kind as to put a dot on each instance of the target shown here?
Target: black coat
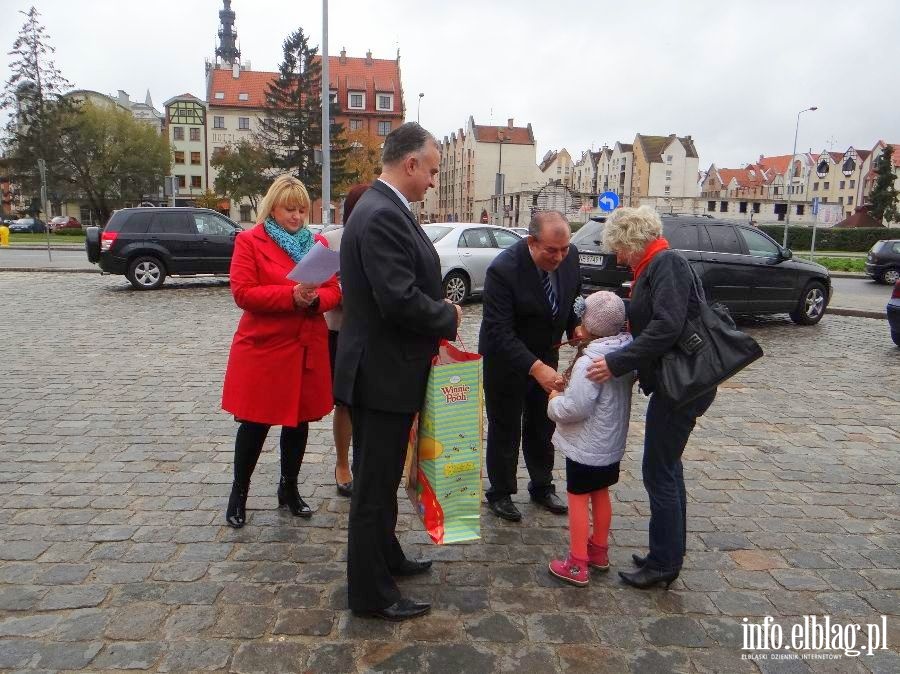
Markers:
(518, 326)
(394, 313)
(661, 301)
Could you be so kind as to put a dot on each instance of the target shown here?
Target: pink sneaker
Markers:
(574, 571)
(597, 556)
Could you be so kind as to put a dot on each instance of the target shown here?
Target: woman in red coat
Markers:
(278, 369)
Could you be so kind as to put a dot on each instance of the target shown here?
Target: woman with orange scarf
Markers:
(662, 298)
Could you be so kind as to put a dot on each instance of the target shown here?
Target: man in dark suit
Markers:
(528, 302)
(394, 318)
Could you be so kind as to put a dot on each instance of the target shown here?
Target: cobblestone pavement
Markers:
(115, 464)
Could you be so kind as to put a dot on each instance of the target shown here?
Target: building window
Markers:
(842, 184)
(356, 100)
(723, 207)
(179, 157)
(385, 102)
(710, 205)
(668, 175)
(558, 169)
(243, 96)
(756, 207)
(356, 124)
(826, 185)
(841, 200)
(178, 132)
(196, 181)
(220, 95)
(245, 213)
(742, 207)
(195, 134)
(824, 200)
(332, 96)
(669, 159)
(801, 209)
(244, 123)
(852, 184)
(668, 190)
(849, 201)
(815, 187)
(181, 181)
(384, 128)
(218, 122)
(195, 158)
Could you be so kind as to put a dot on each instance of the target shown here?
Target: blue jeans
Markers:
(666, 435)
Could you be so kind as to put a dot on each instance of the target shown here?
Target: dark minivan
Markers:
(739, 265)
(148, 244)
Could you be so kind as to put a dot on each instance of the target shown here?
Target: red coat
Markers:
(278, 369)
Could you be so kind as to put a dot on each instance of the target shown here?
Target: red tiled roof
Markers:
(345, 74)
(777, 164)
(517, 135)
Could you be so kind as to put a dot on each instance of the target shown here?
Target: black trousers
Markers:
(516, 411)
(379, 451)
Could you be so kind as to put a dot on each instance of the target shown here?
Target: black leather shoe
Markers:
(646, 578)
(404, 609)
(236, 513)
(505, 509)
(290, 497)
(638, 560)
(551, 502)
(412, 567)
(343, 488)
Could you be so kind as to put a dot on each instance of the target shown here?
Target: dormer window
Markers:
(385, 102)
(220, 95)
(356, 100)
(243, 96)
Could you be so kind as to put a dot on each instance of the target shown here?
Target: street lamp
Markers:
(419, 107)
(790, 173)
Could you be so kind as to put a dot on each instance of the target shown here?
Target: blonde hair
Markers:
(285, 191)
(631, 229)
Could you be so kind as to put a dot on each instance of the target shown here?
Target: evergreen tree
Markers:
(33, 98)
(884, 195)
(291, 130)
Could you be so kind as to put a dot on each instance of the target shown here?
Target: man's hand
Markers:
(553, 394)
(548, 378)
(598, 371)
(458, 312)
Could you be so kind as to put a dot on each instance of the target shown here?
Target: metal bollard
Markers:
(4, 236)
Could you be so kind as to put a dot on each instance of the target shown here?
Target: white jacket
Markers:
(592, 419)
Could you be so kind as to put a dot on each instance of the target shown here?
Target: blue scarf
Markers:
(296, 245)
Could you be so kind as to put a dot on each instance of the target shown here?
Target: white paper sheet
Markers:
(317, 266)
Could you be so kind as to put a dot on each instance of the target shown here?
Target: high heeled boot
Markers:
(290, 497)
(236, 514)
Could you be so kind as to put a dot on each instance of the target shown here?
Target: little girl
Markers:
(591, 428)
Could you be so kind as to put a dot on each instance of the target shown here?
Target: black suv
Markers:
(148, 244)
(739, 265)
(883, 261)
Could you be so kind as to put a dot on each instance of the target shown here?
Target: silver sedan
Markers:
(466, 250)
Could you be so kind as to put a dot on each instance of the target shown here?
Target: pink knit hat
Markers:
(604, 314)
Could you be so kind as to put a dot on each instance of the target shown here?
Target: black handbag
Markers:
(710, 350)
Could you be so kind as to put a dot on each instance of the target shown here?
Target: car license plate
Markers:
(596, 260)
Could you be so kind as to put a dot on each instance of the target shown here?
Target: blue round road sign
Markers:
(608, 201)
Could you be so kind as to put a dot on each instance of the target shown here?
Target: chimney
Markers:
(509, 123)
(124, 99)
(236, 71)
(343, 55)
(369, 60)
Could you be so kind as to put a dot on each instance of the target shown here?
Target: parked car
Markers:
(28, 226)
(466, 250)
(521, 231)
(63, 222)
(883, 261)
(739, 265)
(148, 244)
(893, 313)
(315, 229)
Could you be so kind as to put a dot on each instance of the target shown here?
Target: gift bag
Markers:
(444, 453)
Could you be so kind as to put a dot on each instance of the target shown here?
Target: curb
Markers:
(857, 313)
(64, 270)
(848, 274)
(34, 246)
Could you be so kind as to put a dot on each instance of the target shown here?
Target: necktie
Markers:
(551, 296)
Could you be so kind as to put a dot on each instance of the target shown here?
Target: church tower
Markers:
(227, 53)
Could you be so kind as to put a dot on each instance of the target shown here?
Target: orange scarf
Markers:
(652, 249)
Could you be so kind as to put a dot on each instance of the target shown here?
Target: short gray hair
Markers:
(631, 229)
(540, 218)
(403, 141)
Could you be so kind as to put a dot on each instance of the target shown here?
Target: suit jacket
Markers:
(518, 325)
(394, 313)
(278, 371)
